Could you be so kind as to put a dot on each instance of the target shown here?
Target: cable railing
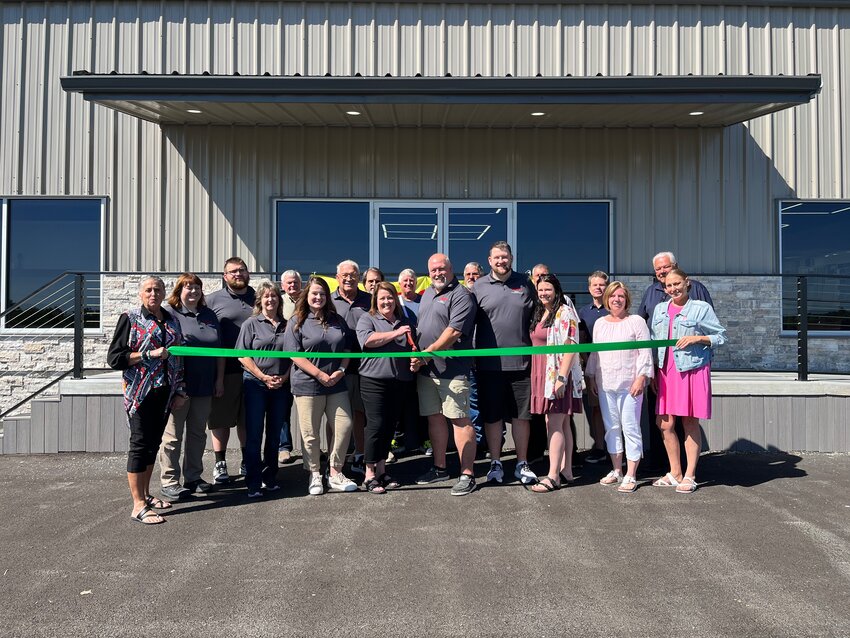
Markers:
(60, 321)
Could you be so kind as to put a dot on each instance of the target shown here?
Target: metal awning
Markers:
(453, 102)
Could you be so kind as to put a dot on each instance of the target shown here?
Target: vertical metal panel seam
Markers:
(17, 178)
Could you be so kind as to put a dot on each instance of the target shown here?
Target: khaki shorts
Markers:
(449, 397)
(352, 381)
(227, 410)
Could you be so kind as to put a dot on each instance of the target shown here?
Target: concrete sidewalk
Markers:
(761, 549)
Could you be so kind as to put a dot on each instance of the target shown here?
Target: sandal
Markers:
(567, 481)
(668, 480)
(612, 478)
(686, 485)
(388, 482)
(545, 485)
(146, 513)
(374, 486)
(628, 485)
(157, 503)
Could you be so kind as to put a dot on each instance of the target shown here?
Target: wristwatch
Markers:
(341, 369)
(561, 378)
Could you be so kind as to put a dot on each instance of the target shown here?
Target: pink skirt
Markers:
(684, 393)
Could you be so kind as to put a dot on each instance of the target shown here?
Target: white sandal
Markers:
(628, 485)
(612, 478)
(668, 480)
(687, 485)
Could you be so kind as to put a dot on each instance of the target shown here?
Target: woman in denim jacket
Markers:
(684, 375)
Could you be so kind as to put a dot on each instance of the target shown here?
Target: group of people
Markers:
(172, 401)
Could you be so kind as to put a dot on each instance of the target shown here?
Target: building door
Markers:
(406, 234)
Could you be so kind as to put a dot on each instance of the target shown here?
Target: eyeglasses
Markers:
(238, 271)
(348, 277)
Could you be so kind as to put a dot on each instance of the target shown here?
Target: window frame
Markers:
(4, 271)
(442, 205)
(812, 332)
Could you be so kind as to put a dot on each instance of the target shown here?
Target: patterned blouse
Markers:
(564, 329)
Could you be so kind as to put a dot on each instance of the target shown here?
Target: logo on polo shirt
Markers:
(517, 291)
(441, 299)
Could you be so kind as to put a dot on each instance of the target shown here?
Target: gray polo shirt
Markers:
(351, 313)
(453, 307)
(232, 310)
(503, 319)
(369, 324)
(200, 330)
(313, 337)
(258, 333)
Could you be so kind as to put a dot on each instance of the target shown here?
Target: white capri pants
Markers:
(621, 415)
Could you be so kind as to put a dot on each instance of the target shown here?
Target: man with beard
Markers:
(233, 304)
(351, 303)
(446, 321)
(505, 302)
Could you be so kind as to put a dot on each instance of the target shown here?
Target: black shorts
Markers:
(503, 396)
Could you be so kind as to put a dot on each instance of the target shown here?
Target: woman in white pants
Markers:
(618, 377)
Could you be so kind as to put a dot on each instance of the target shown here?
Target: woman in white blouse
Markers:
(619, 377)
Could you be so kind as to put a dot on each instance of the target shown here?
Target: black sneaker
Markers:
(200, 486)
(596, 456)
(174, 492)
(434, 475)
(465, 484)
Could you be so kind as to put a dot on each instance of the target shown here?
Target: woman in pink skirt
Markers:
(555, 378)
(684, 375)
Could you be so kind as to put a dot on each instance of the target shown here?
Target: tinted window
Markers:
(316, 236)
(572, 238)
(815, 240)
(407, 237)
(46, 237)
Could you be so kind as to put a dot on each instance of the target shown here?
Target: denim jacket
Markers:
(696, 318)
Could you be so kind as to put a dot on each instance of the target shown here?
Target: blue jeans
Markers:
(285, 434)
(264, 409)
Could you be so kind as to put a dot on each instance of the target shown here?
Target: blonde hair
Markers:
(613, 287)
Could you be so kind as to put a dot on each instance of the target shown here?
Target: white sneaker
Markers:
(341, 483)
(524, 473)
(316, 486)
(496, 473)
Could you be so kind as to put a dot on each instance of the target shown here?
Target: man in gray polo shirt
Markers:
(351, 303)
(446, 322)
(505, 302)
(233, 304)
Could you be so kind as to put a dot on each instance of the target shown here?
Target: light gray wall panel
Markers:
(177, 200)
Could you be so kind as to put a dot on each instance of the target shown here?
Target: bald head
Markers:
(440, 271)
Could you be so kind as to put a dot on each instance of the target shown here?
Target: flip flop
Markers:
(157, 503)
(543, 487)
(668, 480)
(628, 485)
(144, 514)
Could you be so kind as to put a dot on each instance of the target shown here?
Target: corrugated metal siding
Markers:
(189, 198)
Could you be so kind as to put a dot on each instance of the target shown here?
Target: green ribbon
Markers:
(188, 351)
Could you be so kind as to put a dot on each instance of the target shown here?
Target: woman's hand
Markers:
(637, 386)
(415, 364)
(273, 382)
(691, 340)
(159, 353)
(560, 389)
(335, 377)
(401, 331)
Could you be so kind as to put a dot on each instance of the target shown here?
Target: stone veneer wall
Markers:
(749, 307)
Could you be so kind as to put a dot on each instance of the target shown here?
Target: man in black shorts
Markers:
(505, 303)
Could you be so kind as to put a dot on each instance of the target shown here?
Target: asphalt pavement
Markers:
(761, 549)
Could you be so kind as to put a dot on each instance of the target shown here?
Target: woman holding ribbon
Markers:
(318, 384)
(264, 388)
(383, 381)
(684, 375)
(153, 386)
(555, 378)
(619, 377)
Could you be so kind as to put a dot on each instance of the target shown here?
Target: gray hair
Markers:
(158, 280)
(407, 271)
(539, 266)
(291, 273)
(474, 264)
(347, 262)
(667, 254)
